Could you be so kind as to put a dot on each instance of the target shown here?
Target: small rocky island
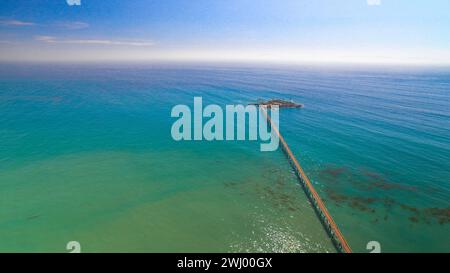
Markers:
(277, 102)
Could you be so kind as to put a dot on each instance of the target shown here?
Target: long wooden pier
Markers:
(331, 227)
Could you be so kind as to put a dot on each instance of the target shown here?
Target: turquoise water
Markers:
(86, 155)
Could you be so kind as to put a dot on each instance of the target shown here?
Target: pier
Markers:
(325, 217)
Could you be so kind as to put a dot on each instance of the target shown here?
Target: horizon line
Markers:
(227, 62)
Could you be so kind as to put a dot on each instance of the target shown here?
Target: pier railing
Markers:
(325, 217)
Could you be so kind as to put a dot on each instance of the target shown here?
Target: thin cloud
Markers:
(73, 25)
(373, 2)
(68, 25)
(16, 23)
(54, 40)
(4, 42)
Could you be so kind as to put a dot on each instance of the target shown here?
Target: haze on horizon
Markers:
(287, 31)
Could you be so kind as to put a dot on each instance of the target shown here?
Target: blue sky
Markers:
(373, 31)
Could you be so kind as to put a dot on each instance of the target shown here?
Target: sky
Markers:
(284, 31)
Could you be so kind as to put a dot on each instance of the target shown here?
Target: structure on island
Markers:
(277, 102)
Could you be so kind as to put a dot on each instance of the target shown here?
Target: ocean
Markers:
(86, 155)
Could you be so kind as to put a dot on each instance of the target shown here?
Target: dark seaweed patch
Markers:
(35, 216)
(279, 199)
(409, 208)
(230, 184)
(356, 202)
(364, 180)
(333, 172)
(427, 215)
(367, 204)
(377, 181)
(368, 181)
(275, 194)
(441, 215)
